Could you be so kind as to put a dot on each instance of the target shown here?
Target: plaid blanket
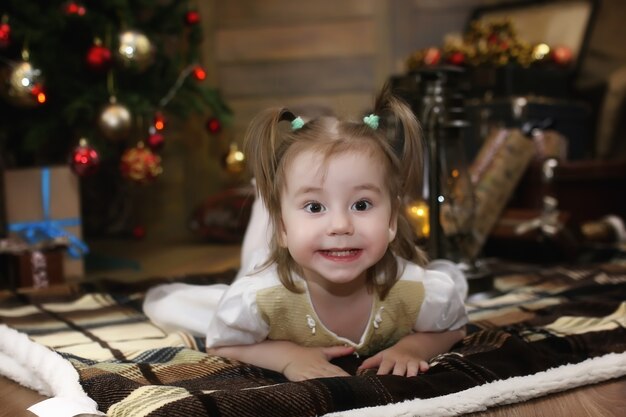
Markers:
(539, 324)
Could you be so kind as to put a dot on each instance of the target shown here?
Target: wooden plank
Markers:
(450, 4)
(207, 55)
(250, 13)
(297, 77)
(335, 39)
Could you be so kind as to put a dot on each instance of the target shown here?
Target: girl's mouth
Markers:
(341, 254)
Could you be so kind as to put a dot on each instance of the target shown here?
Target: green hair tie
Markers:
(297, 123)
(371, 121)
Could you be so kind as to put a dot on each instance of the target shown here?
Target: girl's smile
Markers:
(341, 255)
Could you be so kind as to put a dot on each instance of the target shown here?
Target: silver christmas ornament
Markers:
(135, 50)
(115, 121)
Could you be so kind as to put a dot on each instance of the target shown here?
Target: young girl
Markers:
(343, 275)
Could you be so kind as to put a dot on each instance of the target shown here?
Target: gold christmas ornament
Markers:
(20, 83)
(115, 121)
(140, 164)
(235, 160)
(135, 50)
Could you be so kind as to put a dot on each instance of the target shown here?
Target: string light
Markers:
(199, 73)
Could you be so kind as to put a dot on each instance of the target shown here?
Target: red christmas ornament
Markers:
(156, 141)
(456, 58)
(192, 17)
(432, 56)
(74, 8)
(140, 164)
(562, 55)
(84, 159)
(5, 34)
(199, 73)
(99, 58)
(214, 125)
(139, 232)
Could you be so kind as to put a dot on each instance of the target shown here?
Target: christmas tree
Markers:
(93, 84)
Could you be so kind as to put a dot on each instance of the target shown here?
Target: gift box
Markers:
(43, 205)
(37, 266)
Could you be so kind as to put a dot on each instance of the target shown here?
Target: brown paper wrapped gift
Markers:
(24, 203)
(37, 266)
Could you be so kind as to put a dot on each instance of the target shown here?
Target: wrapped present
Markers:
(495, 173)
(36, 266)
(43, 205)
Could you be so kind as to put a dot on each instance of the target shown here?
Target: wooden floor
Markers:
(132, 260)
(607, 399)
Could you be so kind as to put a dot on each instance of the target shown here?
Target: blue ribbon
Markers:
(49, 229)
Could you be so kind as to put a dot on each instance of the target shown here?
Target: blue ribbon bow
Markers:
(49, 229)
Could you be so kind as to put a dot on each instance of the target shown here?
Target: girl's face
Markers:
(336, 216)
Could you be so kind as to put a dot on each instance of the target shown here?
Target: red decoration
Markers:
(39, 94)
(192, 17)
(214, 125)
(140, 164)
(5, 34)
(139, 232)
(199, 73)
(159, 121)
(74, 8)
(84, 159)
(99, 58)
(456, 58)
(562, 55)
(432, 56)
(156, 141)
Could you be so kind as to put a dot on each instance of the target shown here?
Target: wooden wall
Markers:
(294, 53)
(327, 53)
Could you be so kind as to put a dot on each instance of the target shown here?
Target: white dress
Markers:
(258, 307)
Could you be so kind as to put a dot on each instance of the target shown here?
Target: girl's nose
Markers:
(340, 224)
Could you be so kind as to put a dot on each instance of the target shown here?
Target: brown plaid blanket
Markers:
(540, 323)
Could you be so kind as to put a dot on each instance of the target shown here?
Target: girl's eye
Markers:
(361, 205)
(314, 207)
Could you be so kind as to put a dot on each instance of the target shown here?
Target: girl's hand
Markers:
(397, 361)
(296, 362)
(308, 363)
(409, 356)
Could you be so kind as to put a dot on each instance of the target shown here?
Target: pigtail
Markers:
(397, 114)
(267, 144)
(402, 129)
(262, 139)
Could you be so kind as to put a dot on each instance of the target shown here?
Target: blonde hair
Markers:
(270, 147)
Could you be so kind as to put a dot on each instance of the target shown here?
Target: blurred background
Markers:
(145, 102)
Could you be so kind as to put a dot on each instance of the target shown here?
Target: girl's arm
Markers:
(410, 355)
(296, 362)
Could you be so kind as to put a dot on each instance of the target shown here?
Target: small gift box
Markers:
(42, 206)
(37, 266)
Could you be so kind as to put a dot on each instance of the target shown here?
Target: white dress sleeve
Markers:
(183, 307)
(443, 307)
(237, 320)
(255, 247)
